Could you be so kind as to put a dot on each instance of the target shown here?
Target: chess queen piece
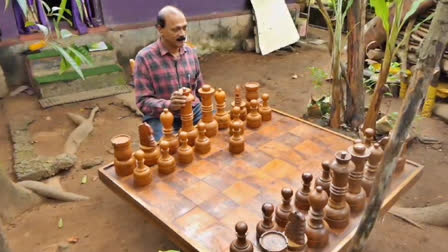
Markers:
(185, 151)
(317, 229)
(239, 102)
(241, 244)
(142, 173)
(236, 142)
(295, 232)
(301, 200)
(211, 125)
(253, 119)
(282, 211)
(124, 161)
(236, 118)
(166, 162)
(148, 144)
(324, 180)
(202, 145)
(337, 212)
(186, 115)
(167, 120)
(265, 110)
(370, 170)
(222, 116)
(252, 91)
(266, 224)
(356, 196)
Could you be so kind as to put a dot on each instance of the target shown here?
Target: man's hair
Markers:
(161, 16)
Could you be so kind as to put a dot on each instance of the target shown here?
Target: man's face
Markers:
(175, 31)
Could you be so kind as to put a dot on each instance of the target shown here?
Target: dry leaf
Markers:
(60, 223)
(84, 179)
(73, 240)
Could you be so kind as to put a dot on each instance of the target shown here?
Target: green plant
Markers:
(318, 76)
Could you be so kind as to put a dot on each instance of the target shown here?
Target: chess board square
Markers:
(202, 168)
(220, 180)
(289, 139)
(240, 192)
(285, 123)
(279, 169)
(257, 158)
(216, 237)
(335, 143)
(256, 139)
(200, 192)
(195, 221)
(259, 180)
(309, 148)
(275, 188)
(217, 144)
(240, 169)
(180, 180)
(271, 131)
(281, 151)
(306, 131)
(242, 214)
(221, 158)
(219, 205)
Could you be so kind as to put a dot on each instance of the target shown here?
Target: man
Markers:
(163, 68)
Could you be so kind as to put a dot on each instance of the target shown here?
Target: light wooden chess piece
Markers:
(266, 224)
(239, 102)
(124, 161)
(236, 141)
(166, 162)
(186, 115)
(221, 116)
(295, 232)
(236, 118)
(324, 180)
(211, 125)
(356, 196)
(148, 144)
(142, 173)
(202, 145)
(317, 229)
(265, 110)
(370, 170)
(282, 211)
(241, 244)
(167, 120)
(185, 151)
(253, 119)
(301, 199)
(252, 91)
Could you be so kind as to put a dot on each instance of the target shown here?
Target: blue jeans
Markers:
(157, 126)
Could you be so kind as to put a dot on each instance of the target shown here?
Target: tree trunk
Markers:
(354, 110)
(428, 65)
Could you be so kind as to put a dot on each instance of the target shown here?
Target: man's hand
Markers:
(177, 101)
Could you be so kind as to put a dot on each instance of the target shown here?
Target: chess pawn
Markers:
(324, 180)
(252, 90)
(124, 161)
(301, 199)
(356, 196)
(186, 116)
(282, 211)
(148, 144)
(142, 173)
(253, 119)
(221, 116)
(241, 244)
(211, 125)
(167, 120)
(317, 229)
(337, 212)
(166, 162)
(265, 110)
(266, 224)
(202, 145)
(369, 137)
(370, 170)
(239, 103)
(236, 118)
(236, 141)
(383, 142)
(185, 152)
(295, 232)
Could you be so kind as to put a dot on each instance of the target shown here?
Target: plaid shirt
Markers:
(158, 74)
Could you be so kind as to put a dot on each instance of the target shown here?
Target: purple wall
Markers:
(7, 22)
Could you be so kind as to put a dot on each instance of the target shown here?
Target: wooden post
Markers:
(427, 66)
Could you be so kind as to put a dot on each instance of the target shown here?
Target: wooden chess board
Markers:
(199, 204)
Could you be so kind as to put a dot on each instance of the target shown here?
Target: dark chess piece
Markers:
(369, 138)
(324, 180)
(148, 144)
(222, 116)
(295, 232)
(167, 120)
(282, 211)
(266, 224)
(356, 196)
(241, 244)
(185, 152)
(142, 173)
(166, 162)
(202, 145)
(265, 110)
(370, 172)
(211, 125)
(317, 229)
(301, 199)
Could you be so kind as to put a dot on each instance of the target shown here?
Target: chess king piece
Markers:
(236, 141)
(356, 196)
(185, 152)
(282, 211)
(142, 173)
(369, 135)
(211, 125)
(301, 199)
(186, 115)
(167, 120)
(239, 102)
(148, 144)
(202, 144)
(370, 170)
(317, 228)
(265, 110)
(253, 119)
(252, 91)
(221, 116)
(241, 244)
(295, 232)
(337, 212)
(236, 118)
(266, 224)
(324, 180)
(124, 161)
(166, 162)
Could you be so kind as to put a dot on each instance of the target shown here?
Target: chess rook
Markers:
(241, 244)
(124, 161)
(185, 151)
(236, 118)
(236, 141)
(148, 144)
(221, 116)
(167, 120)
(301, 198)
(324, 180)
(356, 196)
(166, 162)
(239, 102)
(266, 224)
(317, 229)
(264, 110)
(253, 119)
(186, 115)
(202, 145)
(282, 211)
(211, 125)
(142, 173)
(295, 232)
(252, 91)
(370, 170)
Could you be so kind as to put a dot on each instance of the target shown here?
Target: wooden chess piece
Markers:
(236, 118)
(301, 199)
(239, 102)
(167, 120)
(337, 212)
(186, 115)
(148, 144)
(265, 110)
(383, 142)
(317, 229)
(282, 211)
(142, 173)
(124, 161)
(369, 138)
(370, 171)
(295, 232)
(236, 141)
(166, 162)
(202, 144)
(185, 152)
(356, 196)
(221, 116)
(252, 91)
(211, 125)
(253, 119)
(324, 180)
(241, 244)
(266, 224)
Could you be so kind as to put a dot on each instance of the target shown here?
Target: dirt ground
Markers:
(108, 223)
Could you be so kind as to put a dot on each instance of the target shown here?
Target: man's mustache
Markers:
(182, 38)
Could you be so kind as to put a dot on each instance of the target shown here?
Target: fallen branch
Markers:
(85, 126)
(436, 215)
(406, 219)
(51, 192)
